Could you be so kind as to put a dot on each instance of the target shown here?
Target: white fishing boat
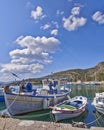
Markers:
(70, 108)
(28, 99)
(98, 102)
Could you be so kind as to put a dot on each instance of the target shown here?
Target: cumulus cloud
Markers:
(75, 11)
(55, 23)
(73, 22)
(54, 32)
(98, 17)
(46, 26)
(38, 13)
(59, 12)
(21, 68)
(34, 49)
(35, 52)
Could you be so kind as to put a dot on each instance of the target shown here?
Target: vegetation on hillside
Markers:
(91, 74)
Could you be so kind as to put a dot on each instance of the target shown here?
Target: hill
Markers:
(91, 74)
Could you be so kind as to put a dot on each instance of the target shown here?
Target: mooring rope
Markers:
(52, 117)
(94, 120)
(6, 110)
(12, 102)
(38, 115)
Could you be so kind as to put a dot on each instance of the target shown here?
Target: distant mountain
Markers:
(6, 83)
(91, 74)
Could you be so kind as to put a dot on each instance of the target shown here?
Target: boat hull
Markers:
(99, 109)
(61, 116)
(20, 104)
(98, 102)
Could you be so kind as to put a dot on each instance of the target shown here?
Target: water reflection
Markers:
(93, 117)
(99, 118)
(86, 90)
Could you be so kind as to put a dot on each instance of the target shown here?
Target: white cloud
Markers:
(73, 22)
(55, 23)
(47, 44)
(59, 12)
(38, 13)
(75, 11)
(34, 49)
(54, 32)
(21, 68)
(35, 52)
(46, 26)
(98, 17)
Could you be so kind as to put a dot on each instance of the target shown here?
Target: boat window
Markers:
(79, 102)
(100, 99)
(81, 98)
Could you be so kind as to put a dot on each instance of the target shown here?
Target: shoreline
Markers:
(16, 124)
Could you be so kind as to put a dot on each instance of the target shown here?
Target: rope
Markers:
(52, 117)
(5, 112)
(94, 120)
(12, 102)
(39, 115)
(98, 121)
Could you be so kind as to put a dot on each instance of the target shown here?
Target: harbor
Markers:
(90, 117)
(52, 65)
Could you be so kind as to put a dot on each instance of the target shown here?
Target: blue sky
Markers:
(42, 36)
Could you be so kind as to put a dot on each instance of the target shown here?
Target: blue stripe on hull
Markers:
(2, 99)
(48, 96)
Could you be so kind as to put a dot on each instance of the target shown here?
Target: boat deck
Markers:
(63, 106)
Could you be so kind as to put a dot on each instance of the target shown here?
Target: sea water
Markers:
(91, 117)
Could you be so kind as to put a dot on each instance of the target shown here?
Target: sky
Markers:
(38, 37)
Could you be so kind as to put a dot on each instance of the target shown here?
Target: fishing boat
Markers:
(98, 102)
(1, 94)
(70, 108)
(28, 99)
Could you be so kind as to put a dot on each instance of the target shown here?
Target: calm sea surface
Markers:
(91, 117)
